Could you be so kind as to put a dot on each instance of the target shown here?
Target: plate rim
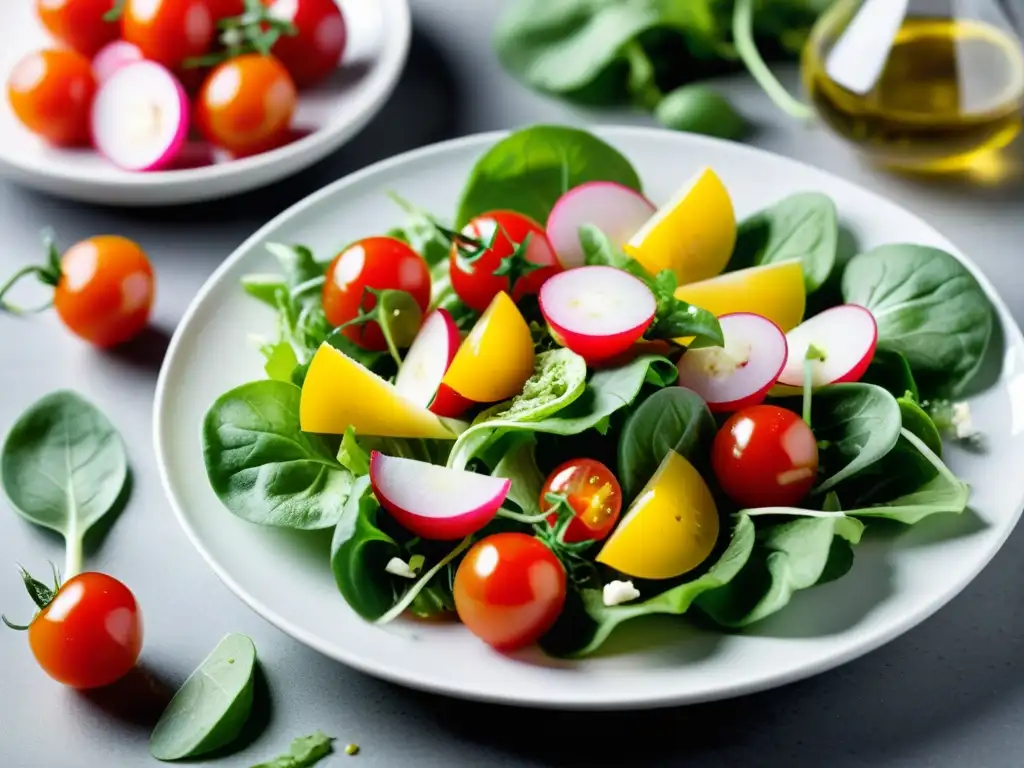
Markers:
(255, 171)
(1012, 337)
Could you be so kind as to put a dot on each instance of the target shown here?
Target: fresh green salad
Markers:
(565, 407)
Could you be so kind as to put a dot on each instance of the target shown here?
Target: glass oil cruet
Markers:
(923, 85)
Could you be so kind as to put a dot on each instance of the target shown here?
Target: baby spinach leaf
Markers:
(519, 464)
(63, 466)
(360, 552)
(606, 392)
(929, 308)
(588, 622)
(672, 419)
(304, 752)
(211, 707)
(281, 361)
(788, 557)
(891, 371)
(699, 109)
(802, 226)
(915, 420)
(263, 467)
(530, 169)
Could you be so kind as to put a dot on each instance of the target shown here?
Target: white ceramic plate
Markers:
(897, 580)
(379, 36)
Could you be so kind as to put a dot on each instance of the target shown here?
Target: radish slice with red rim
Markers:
(140, 117)
(616, 210)
(597, 312)
(428, 358)
(845, 335)
(741, 373)
(112, 57)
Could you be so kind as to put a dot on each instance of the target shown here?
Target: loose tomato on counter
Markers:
(765, 456)
(88, 632)
(169, 31)
(489, 258)
(51, 93)
(592, 492)
(509, 590)
(79, 24)
(315, 51)
(380, 263)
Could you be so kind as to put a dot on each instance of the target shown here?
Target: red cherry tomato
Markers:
(381, 263)
(79, 24)
(105, 292)
(225, 9)
(246, 105)
(509, 590)
(315, 51)
(594, 495)
(90, 634)
(51, 92)
(169, 31)
(475, 282)
(765, 456)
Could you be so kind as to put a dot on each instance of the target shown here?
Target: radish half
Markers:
(140, 117)
(741, 373)
(113, 57)
(616, 210)
(426, 363)
(846, 336)
(597, 312)
(435, 502)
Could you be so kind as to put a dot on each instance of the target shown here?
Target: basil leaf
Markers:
(210, 709)
(263, 467)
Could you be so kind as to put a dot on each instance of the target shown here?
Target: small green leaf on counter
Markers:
(699, 109)
(305, 752)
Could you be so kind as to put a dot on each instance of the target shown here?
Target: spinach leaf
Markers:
(281, 361)
(351, 454)
(699, 109)
(600, 251)
(928, 307)
(519, 464)
(422, 232)
(672, 419)
(788, 557)
(263, 467)
(63, 466)
(856, 425)
(891, 371)
(304, 752)
(915, 420)
(530, 169)
(802, 226)
(211, 707)
(588, 622)
(360, 552)
(606, 392)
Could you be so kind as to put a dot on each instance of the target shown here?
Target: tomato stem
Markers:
(525, 519)
(256, 30)
(400, 607)
(45, 276)
(115, 12)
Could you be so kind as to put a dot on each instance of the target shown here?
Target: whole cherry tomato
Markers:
(79, 24)
(484, 265)
(381, 263)
(592, 492)
(509, 590)
(51, 93)
(89, 634)
(169, 31)
(225, 9)
(246, 105)
(765, 456)
(315, 51)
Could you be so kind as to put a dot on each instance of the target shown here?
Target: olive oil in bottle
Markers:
(922, 92)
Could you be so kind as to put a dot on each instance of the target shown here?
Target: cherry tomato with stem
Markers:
(593, 494)
(246, 105)
(169, 31)
(79, 24)
(88, 631)
(509, 590)
(102, 288)
(765, 456)
(51, 93)
(500, 251)
(315, 51)
(377, 263)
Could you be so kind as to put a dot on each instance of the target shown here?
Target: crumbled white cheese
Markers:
(618, 592)
(398, 567)
(962, 421)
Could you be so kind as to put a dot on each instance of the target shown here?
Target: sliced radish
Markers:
(140, 117)
(597, 312)
(845, 335)
(113, 57)
(427, 360)
(435, 502)
(616, 210)
(449, 403)
(742, 372)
